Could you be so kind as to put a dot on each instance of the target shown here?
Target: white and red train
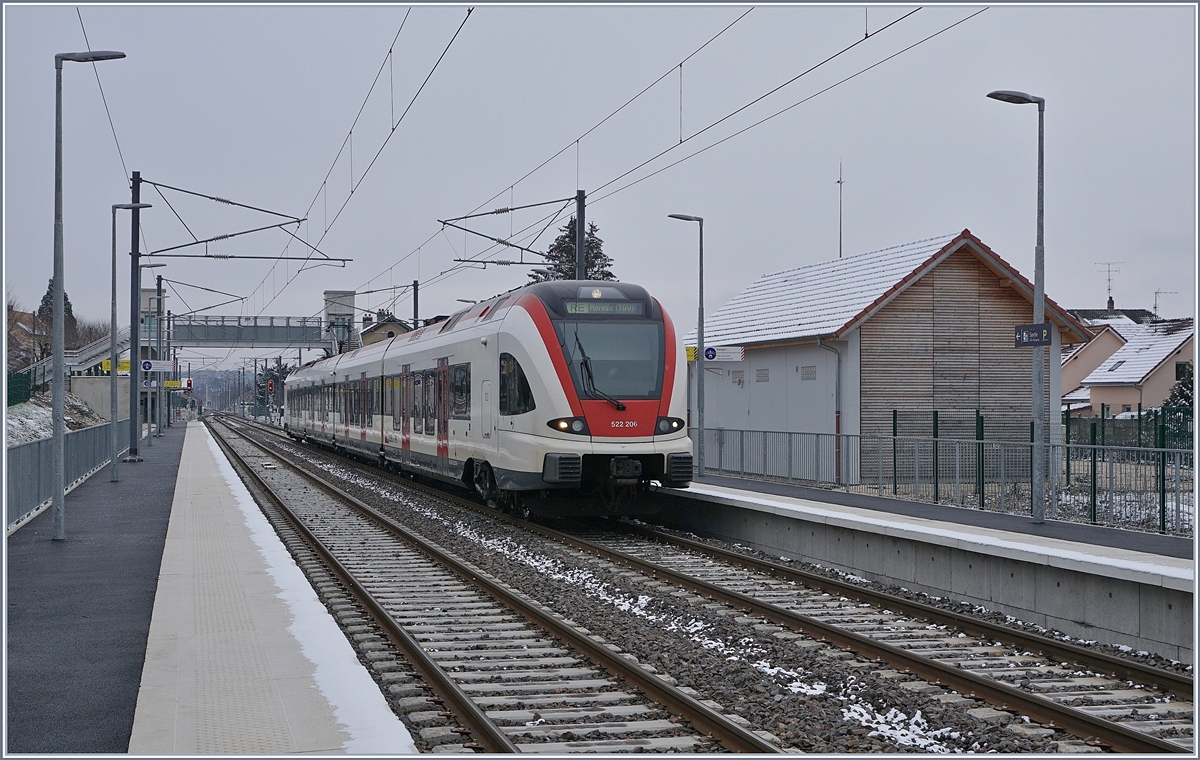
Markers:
(564, 397)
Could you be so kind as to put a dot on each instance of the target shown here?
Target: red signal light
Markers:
(270, 386)
(189, 383)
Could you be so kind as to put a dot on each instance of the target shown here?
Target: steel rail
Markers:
(1176, 683)
(488, 734)
(1046, 711)
(706, 720)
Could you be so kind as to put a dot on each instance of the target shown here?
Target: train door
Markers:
(406, 401)
(443, 416)
(365, 406)
(485, 412)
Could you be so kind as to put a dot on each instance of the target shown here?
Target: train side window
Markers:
(516, 397)
(460, 392)
(418, 406)
(431, 397)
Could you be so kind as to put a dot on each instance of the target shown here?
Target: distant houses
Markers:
(852, 344)
(1131, 364)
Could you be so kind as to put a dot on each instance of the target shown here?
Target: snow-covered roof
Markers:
(1080, 395)
(826, 299)
(1146, 347)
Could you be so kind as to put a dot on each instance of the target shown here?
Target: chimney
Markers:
(1110, 305)
(367, 319)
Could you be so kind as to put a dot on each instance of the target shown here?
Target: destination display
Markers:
(623, 308)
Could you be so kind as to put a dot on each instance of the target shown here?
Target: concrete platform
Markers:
(1089, 582)
(78, 610)
(241, 657)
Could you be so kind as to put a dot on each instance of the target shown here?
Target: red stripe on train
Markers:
(537, 310)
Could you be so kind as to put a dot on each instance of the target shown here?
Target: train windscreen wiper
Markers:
(589, 381)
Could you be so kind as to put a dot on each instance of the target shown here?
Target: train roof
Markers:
(554, 294)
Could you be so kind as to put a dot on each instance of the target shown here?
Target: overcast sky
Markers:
(254, 104)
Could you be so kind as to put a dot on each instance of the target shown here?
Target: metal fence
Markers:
(1145, 489)
(31, 465)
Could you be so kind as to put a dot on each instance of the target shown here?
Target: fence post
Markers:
(789, 455)
(1003, 451)
(1139, 425)
(1068, 449)
(936, 500)
(916, 469)
(895, 429)
(1092, 490)
(1032, 440)
(979, 457)
(957, 477)
(1162, 474)
(1178, 457)
(879, 450)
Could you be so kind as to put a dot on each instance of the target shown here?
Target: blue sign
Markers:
(710, 353)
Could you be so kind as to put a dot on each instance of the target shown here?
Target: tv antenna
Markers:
(1111, 271)
(840, 182)
(1158, 293)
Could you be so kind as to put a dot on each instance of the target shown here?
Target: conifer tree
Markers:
(560, 258)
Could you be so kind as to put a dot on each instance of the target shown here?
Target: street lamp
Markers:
(112, 343)
(699, 350)
(58, 390)
(135, 365)
(1039, 308)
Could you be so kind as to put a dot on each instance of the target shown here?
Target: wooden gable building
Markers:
(838, 346)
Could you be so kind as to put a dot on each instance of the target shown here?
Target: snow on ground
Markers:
(893, 724)
(32, 420)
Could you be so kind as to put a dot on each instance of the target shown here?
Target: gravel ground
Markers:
(998, 618)
(814, 698)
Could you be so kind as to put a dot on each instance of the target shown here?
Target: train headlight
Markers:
(668, 425)
(576, 425)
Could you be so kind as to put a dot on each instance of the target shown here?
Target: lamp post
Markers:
(699, 350)
(58, 389)
(137, 366)
(158, 355)
(1039, 308)
(112, 343)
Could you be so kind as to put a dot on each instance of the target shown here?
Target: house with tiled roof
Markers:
(1141, 371)
(838, 346)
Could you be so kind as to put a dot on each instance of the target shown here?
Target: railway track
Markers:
(498, 666)
(928, 650)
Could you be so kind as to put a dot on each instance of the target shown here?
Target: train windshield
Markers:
(625, 358)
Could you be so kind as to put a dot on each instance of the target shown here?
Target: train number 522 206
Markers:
(624, 423)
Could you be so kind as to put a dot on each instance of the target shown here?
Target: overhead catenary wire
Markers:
(379, 152)
(743, 107)
(597, 125)
(595, 199)
(104, 99)
(777, 113)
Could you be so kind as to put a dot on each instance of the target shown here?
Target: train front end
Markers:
(616, 417)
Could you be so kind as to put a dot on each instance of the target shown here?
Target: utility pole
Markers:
(135, 322)
(580, 238)
(840, 182)
(416, 313)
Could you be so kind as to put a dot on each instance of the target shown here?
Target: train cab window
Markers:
(516, 397)
(460, 392)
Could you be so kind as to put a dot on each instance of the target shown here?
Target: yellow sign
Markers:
(691, 353)
(172, 383)
(122, 365)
